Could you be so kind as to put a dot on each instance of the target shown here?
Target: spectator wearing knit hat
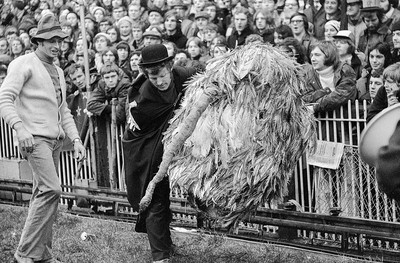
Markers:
(101, 41)
(91, 25)
(125, 29)
(123, 50)
(332, 27)
(155, 17)
(173, 31)
(99, 13)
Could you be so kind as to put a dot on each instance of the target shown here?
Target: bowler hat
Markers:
(48, 27)
(153, 55)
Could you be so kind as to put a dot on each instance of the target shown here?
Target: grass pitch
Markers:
(117, 242)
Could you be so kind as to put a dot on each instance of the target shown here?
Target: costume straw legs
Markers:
(41, 120)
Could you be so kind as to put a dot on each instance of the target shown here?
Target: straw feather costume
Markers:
(250, 129)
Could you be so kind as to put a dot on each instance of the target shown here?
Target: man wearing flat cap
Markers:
(32, 102)
(152, 100)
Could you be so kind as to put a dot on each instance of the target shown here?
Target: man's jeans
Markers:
(36, 238)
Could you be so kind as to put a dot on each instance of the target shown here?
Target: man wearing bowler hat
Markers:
(152, 99)
(32, 102)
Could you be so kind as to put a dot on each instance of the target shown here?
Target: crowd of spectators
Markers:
(343, 52)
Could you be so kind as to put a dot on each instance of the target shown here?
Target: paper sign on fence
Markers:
(327, 155)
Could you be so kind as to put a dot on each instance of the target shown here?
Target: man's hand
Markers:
(79, 150)
(25, 138)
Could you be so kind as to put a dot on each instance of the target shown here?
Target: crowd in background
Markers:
(344, 53)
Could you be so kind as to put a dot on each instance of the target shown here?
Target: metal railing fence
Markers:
(352, 187)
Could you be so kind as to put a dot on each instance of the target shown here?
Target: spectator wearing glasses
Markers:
(118, 13)
(299, 26)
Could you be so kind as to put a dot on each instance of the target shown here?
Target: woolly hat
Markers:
(125, 19)
(98, 8)
(91, 17)
(123, 44)
(101, 34)
(155, 9)
(48, 27)
(10, 30)
(396, 26)
(333, 23)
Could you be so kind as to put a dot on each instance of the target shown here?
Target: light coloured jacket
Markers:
(28, 95)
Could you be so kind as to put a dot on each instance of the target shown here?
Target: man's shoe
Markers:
(19, 259)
